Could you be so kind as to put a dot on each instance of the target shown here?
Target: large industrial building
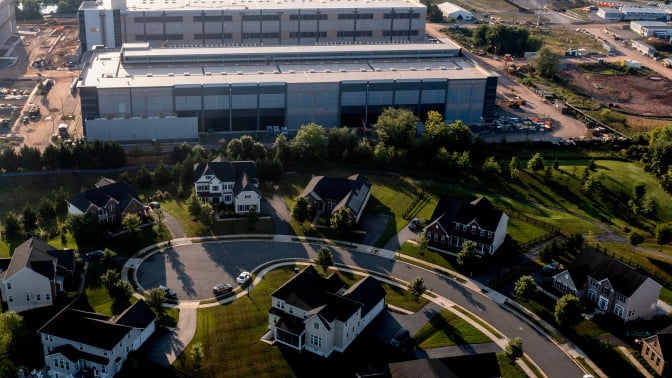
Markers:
(223, 22)
(171, 69)
(144, 93)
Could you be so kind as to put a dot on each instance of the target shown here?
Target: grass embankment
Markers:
(445, 329)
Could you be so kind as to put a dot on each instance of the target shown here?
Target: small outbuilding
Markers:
(455, 12)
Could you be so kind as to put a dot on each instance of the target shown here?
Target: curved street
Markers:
(191, 269)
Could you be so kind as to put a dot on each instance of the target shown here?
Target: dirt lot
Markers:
(55, 45)
(643, 95)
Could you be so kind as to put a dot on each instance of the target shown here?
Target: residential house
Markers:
(229, 183)
(332, 193)
(482, 365)
(82, 343)
(454, 222)
(319, 315)
(657, 351)
(615, 287)
(34, 274)
(109, 200)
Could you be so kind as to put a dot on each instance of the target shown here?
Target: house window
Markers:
(9, 286)
(482, 233)
(38, 297)
(429, 236)
(55, 363)
(67, 365)
(27, 297)
(592, 295)
(316, 325)
(47, 296)
(618, 310)
(102, 368)
(443, 239)
(605, 290)
(215, 188)
(646, 353)
(48, 349)
(316, 340)
(202, 188)
(10, 299)
(464, 227)
(620, 297)
(658, 361)
(436, 237)
(489, 235)
(631, 313)
(81, 347)
(291, 309)
(593, 282)
(473, 229)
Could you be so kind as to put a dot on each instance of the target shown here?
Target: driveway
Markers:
(400, 238)
(280, 214)
(193, 268)
(174, 226)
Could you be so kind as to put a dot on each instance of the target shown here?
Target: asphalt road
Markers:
(193, 269)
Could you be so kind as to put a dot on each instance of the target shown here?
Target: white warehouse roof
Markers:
(247, 4)
(451, 10)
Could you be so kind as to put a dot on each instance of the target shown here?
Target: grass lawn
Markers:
(437, 258)
(509, 369)
(522, 231)
(230, 334)
(446, 329)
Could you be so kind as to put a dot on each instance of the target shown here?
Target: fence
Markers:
(551, 231)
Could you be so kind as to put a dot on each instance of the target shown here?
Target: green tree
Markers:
(160, 223)
(131, 223)
(197, 355)
(546, 62)
(207, 214)
(525, 287)
(31, 11)
(143, 177)
(121, 296)
(663, 233)
(341, 144)
(491, 166)
(324, 258)
(638, 190)
(194, 205)
(341, 220)
(46, 209)
(513, 167)
(396, 127)
(568, 310)
(15, 342)
(109, 278)
(85, 228)
(514, 349)
(252, 216)
(155, 299)
(310, 143)
(417, 287)
(300, 211)
(281, 148)
(162, 174)
(536, 163)
(31, 158)
(109, 259)
(467, 257)
(29, 218)
(422, 242)
(12, 225)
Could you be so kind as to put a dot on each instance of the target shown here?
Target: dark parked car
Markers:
(222, 289)
(94, 254)
(400, 338)
(552, 267)
(415, 224)
(170, 293)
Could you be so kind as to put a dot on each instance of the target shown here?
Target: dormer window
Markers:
(482, 232)
(473, 229)
(208, 177)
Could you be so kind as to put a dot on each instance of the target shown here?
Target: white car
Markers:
(243, 277)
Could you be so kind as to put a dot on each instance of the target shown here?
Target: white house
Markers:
(34, 274)
(615, 287)
(229, 183)
(455, 12)
(319, 315)
(454, 222)
(81, 343)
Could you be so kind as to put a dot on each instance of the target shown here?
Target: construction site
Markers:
(36, 74)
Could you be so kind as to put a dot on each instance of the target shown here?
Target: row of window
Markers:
(271, 35)
(473, 229)
(653, 356)
(276, 17)
(38, 297)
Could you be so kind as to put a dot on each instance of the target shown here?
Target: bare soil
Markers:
(56, 44)
(641, 95)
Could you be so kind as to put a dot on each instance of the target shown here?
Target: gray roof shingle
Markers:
(99, 196)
